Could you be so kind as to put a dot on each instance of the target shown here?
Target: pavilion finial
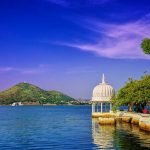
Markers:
(103, 78)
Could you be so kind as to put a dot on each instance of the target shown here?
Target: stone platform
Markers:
(142, 120)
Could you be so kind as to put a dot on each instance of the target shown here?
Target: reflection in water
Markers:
(123, 136)
(102, 135)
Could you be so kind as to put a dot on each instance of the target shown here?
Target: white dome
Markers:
(103, 92)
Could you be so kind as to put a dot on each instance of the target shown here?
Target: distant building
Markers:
(102, 96)
(17, 104)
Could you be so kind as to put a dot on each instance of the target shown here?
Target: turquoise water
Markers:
(64, 127)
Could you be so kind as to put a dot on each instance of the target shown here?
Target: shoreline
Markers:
(138, 119)
(48, 105)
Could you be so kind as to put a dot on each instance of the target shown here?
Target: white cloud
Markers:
(63, 3)
(71, 3)
(116, 40)
(98, 2)
(24, 71)
(7, 69)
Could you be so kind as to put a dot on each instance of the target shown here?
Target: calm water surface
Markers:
(64, 127)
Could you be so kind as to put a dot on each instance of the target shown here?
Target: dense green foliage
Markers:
(28, 94)
(135, 91)
(145, 45)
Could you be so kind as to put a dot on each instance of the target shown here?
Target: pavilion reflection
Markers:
(102, 135)
(122, 136)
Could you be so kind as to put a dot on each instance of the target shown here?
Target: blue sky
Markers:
(66, 45)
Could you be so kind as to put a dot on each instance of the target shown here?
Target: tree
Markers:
(134, 91)
(143, 89)
(145, 45)
(126, 95)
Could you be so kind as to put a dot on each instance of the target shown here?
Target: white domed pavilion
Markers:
(102, 96)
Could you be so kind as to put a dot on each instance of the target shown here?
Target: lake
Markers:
(62, 128)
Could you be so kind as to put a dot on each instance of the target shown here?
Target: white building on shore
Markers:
(102, 96)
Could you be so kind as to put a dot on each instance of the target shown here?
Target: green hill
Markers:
(31, 94)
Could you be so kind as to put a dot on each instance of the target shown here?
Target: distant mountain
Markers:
(31, 94)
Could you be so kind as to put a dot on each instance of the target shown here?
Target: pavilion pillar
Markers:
(110, 106)
(93, 107)
(101, 107)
